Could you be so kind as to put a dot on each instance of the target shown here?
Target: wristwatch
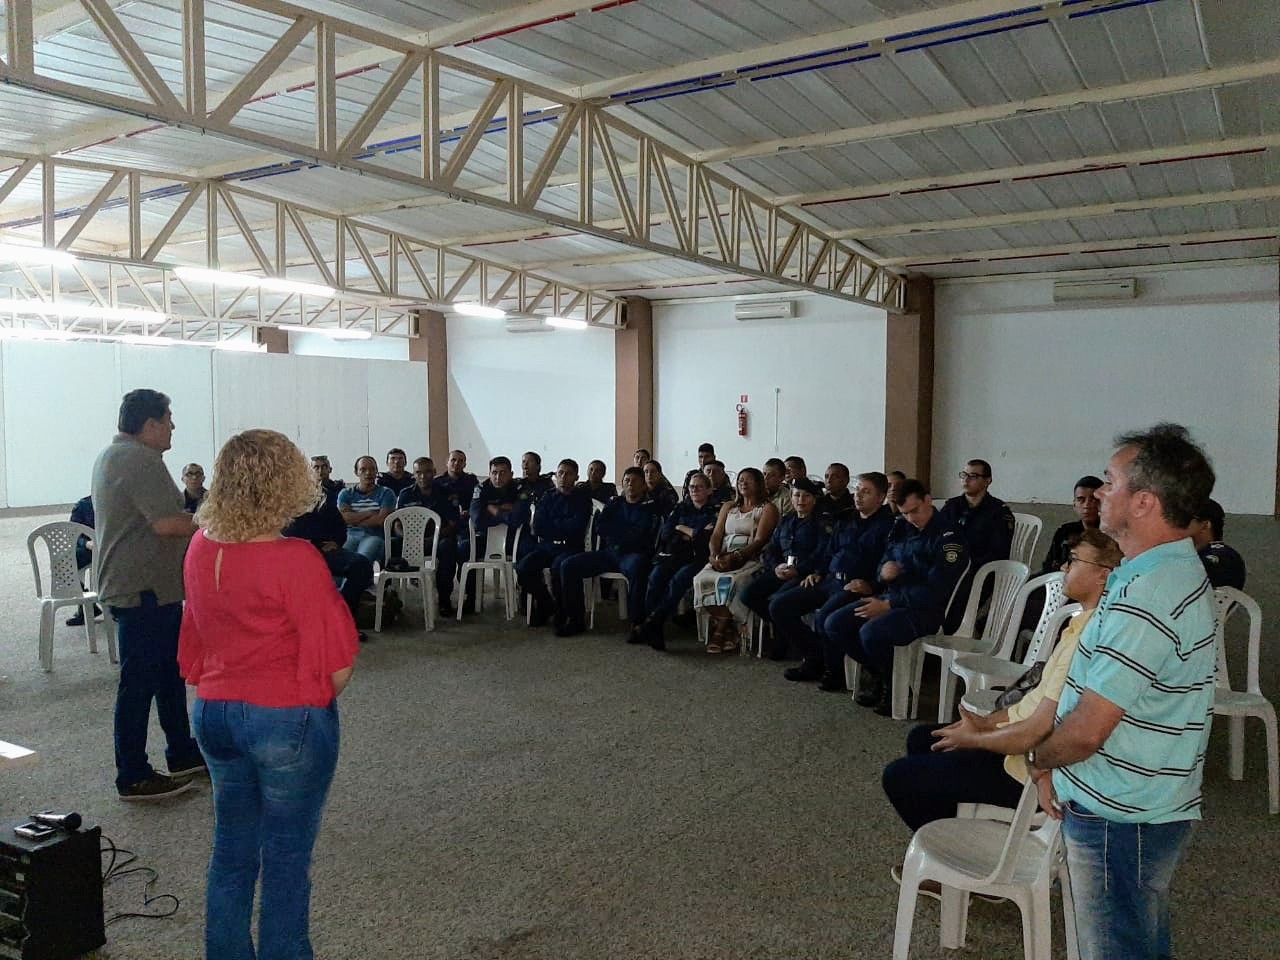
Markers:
(1031, 759)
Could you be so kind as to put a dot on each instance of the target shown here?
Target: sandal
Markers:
(717, 642)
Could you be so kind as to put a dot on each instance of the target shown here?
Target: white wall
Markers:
(827, 366)
(552, 393)
(1040, 390)
(60, 402)
(318, 345)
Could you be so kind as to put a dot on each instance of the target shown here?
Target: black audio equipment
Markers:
(50, 895)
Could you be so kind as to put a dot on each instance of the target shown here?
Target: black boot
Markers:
(884, 705)
(871, 692)
(809, 671)
(654, 635)
(543, 608)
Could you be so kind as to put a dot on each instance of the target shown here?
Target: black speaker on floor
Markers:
(50, 895)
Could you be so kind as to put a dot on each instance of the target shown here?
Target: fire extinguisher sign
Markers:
(743, 398)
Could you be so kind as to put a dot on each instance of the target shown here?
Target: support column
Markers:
(431, 346)
(633, 384)
(276, 340)
(908, 414)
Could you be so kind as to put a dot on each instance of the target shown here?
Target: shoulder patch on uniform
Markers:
(1211, 558)
(951, 552)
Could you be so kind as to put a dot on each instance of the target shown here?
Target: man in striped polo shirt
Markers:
(1127, 751)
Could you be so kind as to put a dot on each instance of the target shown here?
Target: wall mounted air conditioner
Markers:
(528, 325)
(764, 310)
(1122, 288)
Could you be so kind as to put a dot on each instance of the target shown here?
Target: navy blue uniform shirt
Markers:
(835, 510)
(562, 518)
(1059, 546)
(664, 499)
(437, 499)
(628, 527)
(932, 560)
(701, 520)
(396, 486)
(987, 528)
(855, 549)
(804, 538)
(322, 522)
(459, 490)
(486, 495)
(603, 493)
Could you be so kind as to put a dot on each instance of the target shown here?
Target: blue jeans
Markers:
(366, 542)
(1120, 878)
(271, 768)
(148, 638)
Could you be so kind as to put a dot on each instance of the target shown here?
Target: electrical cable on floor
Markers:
(121, 865)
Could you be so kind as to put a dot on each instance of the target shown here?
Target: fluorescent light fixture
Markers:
(62, 308)
(277, 284)
(240, 346)
(19, 253)
(335, 333)
(478, 310)
(566, 323)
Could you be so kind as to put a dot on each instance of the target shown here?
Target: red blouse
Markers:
(268, 626)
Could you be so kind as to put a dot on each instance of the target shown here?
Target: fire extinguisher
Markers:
(742, 420)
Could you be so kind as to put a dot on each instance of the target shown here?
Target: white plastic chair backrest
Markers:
(596, 509)
(60, 540)
(1019, 829)
(1051, 584)
(413, 528)
(495, 543)
(1009, 575)
(1026, 534)
(1048, 632)
(1228, 600)
(955, 592)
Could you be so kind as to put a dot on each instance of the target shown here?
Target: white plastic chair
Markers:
(973, 668)
(1026, 533)
(905, 690)
(1011, 860)
(494, 560)
(1249, 702)
(65, 589)
(1008, 577)
(987, 677)
(413, 528)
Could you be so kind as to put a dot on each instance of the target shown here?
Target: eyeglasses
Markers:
(1072, 558)
(973, 476)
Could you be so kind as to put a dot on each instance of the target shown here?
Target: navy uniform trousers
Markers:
(871, 642)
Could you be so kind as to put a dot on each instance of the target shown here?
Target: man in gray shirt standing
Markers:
(142, 535)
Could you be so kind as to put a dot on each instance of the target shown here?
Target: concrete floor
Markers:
(504, 794)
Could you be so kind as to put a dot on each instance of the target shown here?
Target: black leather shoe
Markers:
(832, 683)
(884, 706)
(446, 609)
(541, 615)
(805, 673)
(570, 628)
(636, 636)
(654, 635)
(870, 694)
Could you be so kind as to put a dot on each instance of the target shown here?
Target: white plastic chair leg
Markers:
(852, 673)
(1237, 748)
(109, 623)
(1273, 759)
(954, 921)
(905, 699)
(908, 891)
(380, 586)
(1068, 911)
(1037, 925)
(46, 637)
(946, 689)
(86, 611)
(427, 618)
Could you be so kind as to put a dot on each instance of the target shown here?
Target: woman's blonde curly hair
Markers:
(261, 481)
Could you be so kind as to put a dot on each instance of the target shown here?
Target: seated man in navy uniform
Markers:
(628, 531)
(853, 556)
(837, 504)
(721, 489)
(1085, 503)
(322, 470)
(460, 485)
(596, 486)
(659, 489)
(559, 529)
(1222, 565)
(984, 521)
(796, 549)
(531, 485)
(684, 546)
(324, 527)
(428, 492)
(395, 478)
(918, 574)
(706, 454)
(494, 501)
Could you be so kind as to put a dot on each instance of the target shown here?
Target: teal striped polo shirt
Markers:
(1149, 649)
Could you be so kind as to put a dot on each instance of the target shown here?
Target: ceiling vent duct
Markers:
(764, 310)
(528, 325)
(1070, 291)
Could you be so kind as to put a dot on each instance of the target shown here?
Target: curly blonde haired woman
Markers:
(269, 644)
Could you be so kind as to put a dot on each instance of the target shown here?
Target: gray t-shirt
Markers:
(131, 490)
